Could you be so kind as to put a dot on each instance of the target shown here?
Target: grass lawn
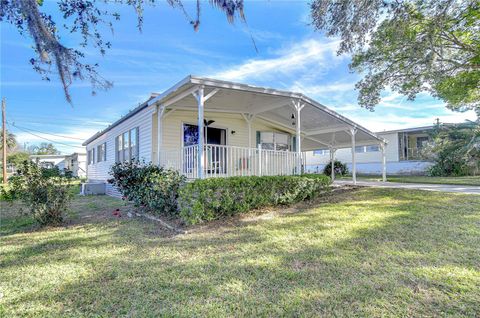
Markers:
(367, 252)
(468, 180)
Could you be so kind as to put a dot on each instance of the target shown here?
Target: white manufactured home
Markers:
(75, 162)
(405, 154)
(211, 128)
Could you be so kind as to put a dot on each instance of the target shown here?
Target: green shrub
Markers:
(5, 194)
(51, 172)
(456, 150)
(209, 199)
(46, 197)
(340, 168)
(148, 186)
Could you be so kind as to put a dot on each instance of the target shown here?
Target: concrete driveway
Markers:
(418, 186)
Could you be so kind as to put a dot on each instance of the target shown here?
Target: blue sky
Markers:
(291, 55)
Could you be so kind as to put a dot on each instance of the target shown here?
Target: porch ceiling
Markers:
(320, 126)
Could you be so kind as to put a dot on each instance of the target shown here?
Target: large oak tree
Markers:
(410, 46)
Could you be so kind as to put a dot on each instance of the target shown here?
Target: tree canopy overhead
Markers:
(411, 46)
(84, 18)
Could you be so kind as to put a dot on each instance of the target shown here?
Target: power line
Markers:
(62, 136)
(52, 141)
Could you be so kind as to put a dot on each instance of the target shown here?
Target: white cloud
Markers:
(314, 90)
(302, 57)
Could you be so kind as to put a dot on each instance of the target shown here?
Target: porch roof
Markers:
(321, 127)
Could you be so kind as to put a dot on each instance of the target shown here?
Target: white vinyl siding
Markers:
(99, 172)
(235, 124)
(172, 130)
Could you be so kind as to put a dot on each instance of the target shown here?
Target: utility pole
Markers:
(4, 139)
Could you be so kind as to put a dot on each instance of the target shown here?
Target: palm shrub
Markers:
(148, 186)
(209, 199)
(456, 150)
(340, 168)
(47, 197)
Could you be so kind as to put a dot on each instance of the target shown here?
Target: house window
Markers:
(127, 146)
(422, 142)
(363, 149)
(91, 156)
(321, 152)
(274, 140)
(372, 148)
(101, 152)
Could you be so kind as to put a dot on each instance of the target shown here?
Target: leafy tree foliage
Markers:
(410, 46)
(43, 149)
(456, 150)
(85, 18)
(17, 158)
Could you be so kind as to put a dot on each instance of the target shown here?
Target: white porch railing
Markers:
(229, 161)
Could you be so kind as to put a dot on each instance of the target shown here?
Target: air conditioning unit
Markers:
(93, 188)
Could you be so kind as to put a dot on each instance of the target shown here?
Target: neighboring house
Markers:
(404, 154)
(75, 162)
(211, 128)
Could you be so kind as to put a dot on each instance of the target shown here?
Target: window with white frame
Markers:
(102, 152)
(274, 140)
(91, 156)
(363, 149)
(127, 146)
(321, 152)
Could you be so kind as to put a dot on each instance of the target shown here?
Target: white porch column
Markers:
(332, 162)
(353, 132)
(249, 118)
(384, 162)
(298, 108)
(201, 137)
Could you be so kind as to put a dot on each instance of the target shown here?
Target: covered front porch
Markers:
(230, 161)
(211, 128)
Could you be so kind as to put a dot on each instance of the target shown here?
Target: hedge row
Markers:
(209, 199)
(148, 186)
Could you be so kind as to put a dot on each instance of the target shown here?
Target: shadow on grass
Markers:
(369, 253)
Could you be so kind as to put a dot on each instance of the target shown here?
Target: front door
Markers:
(213, 136)
(215, 156)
